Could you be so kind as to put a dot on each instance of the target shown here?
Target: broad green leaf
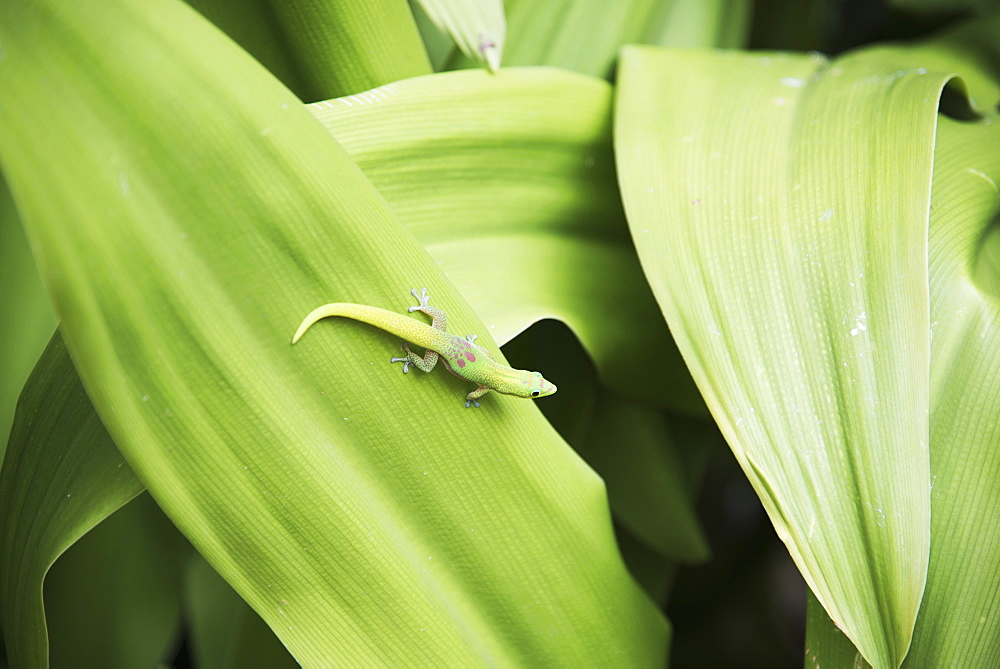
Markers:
(508, 181)
(477, 26)
(958, 622)
(956, 625)
(26, 321)
(129, 566)
(585, 35)
(353, 508)
(62, 475)
(323, 49)
(780, 208)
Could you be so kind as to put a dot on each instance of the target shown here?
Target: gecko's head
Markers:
(537, 386)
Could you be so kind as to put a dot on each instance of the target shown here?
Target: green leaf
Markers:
(131, 564)
(477, 26)
(780, 210)
(26, 321)
(324, 49)
(440, 46)
(354, 508)
(939, 7)
(520, 221)
(630, 446)
(62, 475)
(955, 625)
(958, 623)
(826, 645)
(720, 23)
(586, 35)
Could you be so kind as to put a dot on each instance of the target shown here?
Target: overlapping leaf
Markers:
(780, 214)
(224, 632)
(955, 626)
(62, 475)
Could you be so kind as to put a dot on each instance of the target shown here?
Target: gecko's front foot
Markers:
(472, 402)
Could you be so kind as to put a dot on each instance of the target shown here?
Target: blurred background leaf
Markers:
(478, 27)
(225, 632)
(114, 598)
(586, 35)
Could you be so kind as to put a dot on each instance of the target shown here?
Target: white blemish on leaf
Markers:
(982, 175)
(793, 82)
(859, 325)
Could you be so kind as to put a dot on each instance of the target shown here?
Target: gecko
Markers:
(462, 357)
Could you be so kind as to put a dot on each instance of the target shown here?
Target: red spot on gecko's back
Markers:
(470, 356)
(461, 363)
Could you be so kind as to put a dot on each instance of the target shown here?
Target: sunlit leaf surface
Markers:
(365, 515)
(779, 204)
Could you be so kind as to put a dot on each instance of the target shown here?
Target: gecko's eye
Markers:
(534, 393)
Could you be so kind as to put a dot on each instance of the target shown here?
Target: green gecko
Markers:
(462, 357)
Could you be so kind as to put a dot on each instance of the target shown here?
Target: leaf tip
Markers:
(490, 51)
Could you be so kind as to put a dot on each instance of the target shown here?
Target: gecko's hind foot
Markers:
(471, 338)
(472, 402)
(423, 298)
(406, 361)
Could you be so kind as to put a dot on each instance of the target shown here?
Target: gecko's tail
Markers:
(404, 327)
(319, 313)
